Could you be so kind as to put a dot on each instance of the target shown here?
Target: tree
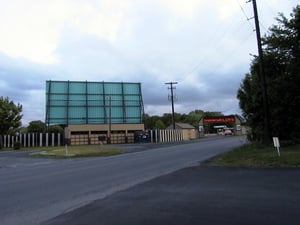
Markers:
(282, 72)
(56, 129)
(159, 124)
(283, 48)
(36, 126)
(150, 121)
(10, 116)
(194, 117)
(167, 118)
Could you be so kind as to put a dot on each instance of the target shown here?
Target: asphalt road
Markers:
(36, 190)
(199, 195)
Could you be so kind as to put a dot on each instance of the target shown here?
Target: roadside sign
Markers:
(276, 144)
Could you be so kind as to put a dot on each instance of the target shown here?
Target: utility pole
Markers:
(172, 101)
(267, 135)
(109, 120)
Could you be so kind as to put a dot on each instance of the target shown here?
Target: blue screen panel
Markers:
(75, 102)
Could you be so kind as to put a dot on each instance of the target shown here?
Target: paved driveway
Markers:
(199, 195)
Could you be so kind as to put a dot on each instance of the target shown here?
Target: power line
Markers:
(218, 41)
(248, 19)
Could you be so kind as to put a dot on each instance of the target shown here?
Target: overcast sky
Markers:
(204, 45)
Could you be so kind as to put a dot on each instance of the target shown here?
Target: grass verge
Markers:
(78, 151)
(251, 155)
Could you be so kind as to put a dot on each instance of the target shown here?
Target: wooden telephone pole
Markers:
(267, 135)
(172, 100)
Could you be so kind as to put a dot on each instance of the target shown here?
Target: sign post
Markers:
(66, 150)
(276, 144)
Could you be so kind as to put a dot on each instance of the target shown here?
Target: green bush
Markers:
(17, 145)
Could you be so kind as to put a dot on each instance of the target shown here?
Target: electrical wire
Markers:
(220, 41)
(247, 18)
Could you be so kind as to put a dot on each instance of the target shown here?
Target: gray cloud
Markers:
(205, 50)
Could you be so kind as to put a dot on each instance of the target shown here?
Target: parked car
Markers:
(228, 132)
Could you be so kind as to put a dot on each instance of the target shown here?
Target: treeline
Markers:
(151, 122)
(164, 121)
(278, 114)
(37, 126)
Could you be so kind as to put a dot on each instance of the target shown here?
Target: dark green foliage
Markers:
(36, 126)
(150, 121)
(282, 72)
(10, 116)
(55, 129)
(17, 145)
(193, 118)
(159, 124)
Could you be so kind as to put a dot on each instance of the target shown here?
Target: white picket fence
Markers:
(33, 140)
(56, 139)
(167, 135)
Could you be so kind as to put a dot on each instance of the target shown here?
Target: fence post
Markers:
(4, 141)
(47, 139)
(8, 141)
(41, 139)
(25, 140)
(12, 141)
(160, 135)
(151, 136)
(52, 139)
(33, 139)
(20, 138)
(28, 137)
(174, 135)
(167, 135)
(58, 139)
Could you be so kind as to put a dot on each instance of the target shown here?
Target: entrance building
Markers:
(219, 123)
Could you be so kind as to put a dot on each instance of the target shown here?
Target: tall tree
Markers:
(282, 72)
(36, 126)
(10, 116)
